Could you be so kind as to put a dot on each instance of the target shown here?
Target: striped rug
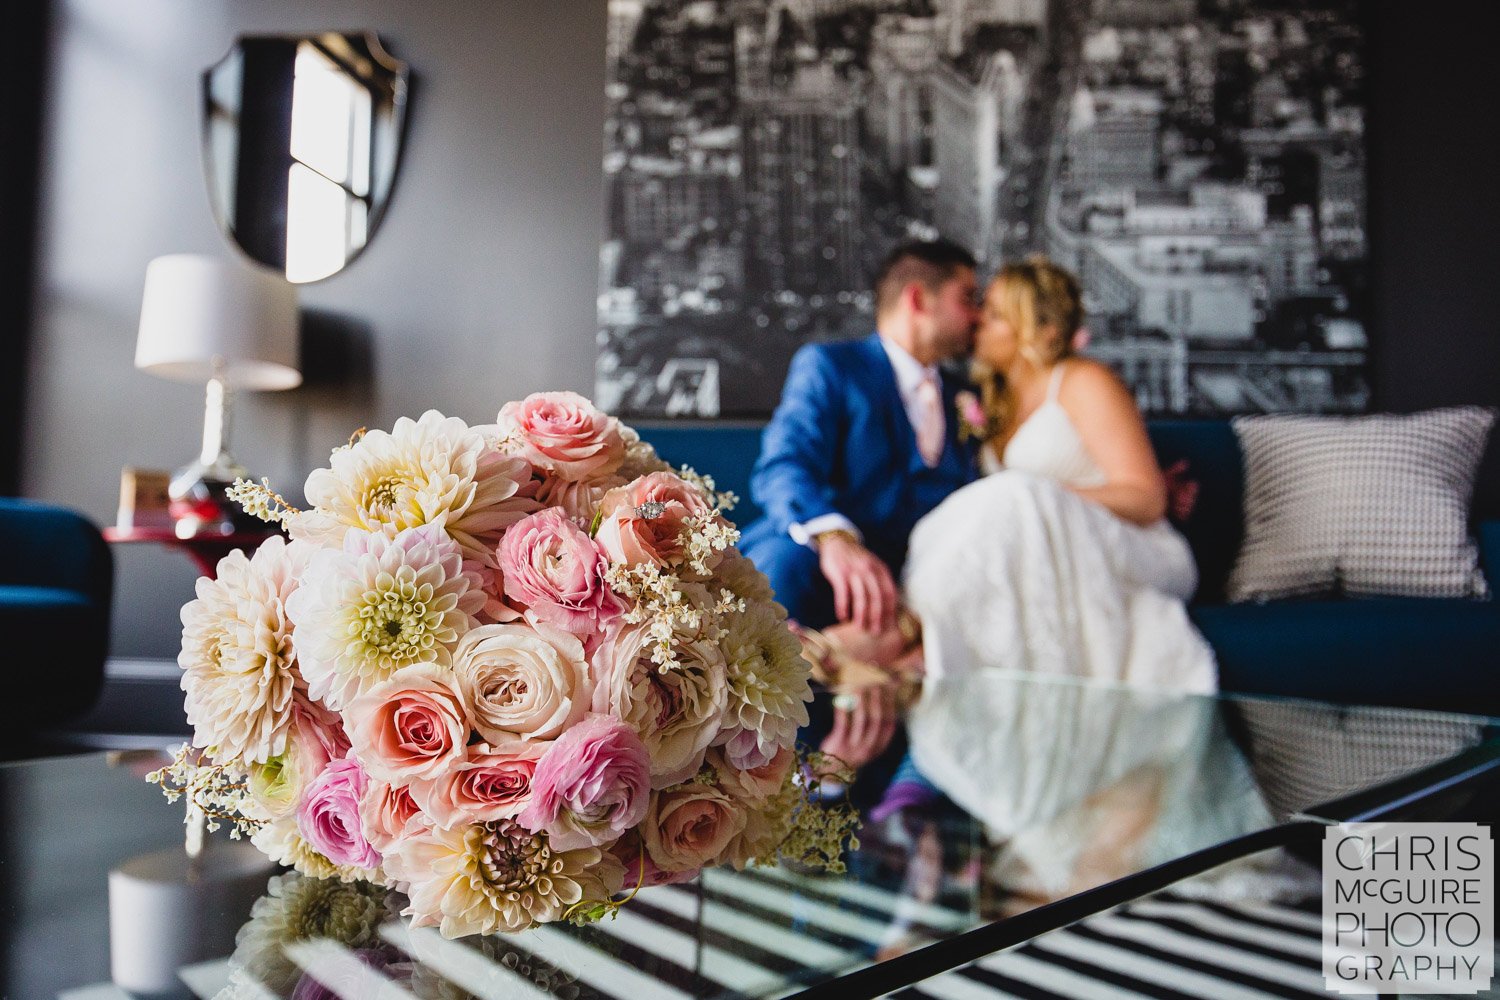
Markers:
(1168, 946)
(761, 933)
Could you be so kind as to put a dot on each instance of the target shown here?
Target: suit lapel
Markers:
(882, 377)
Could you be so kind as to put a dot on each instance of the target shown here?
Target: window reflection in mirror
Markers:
(301, 137)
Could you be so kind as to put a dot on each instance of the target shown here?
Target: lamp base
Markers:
(200, 503)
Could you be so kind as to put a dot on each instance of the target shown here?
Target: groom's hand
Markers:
(864, 591)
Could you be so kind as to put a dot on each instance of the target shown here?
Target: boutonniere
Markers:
(974, 424)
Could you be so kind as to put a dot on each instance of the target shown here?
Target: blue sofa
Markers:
(1408, 652)
(56, 579)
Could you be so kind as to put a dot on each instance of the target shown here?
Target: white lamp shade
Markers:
(203, 318)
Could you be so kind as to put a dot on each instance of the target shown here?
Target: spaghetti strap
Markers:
(1055, 383)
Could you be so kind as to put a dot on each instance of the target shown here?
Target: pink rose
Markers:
(646, 521)
(633, 855)
(754, 785)
(492, 783)
(328, 817)
(971, 410)
(565, 434)
(690, 825)
(388, 814)
(553, 568)
(592, 785)
(413, 725)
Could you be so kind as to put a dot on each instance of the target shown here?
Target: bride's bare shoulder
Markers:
(1087, 376)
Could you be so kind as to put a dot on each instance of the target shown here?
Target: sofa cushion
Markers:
(1214, 527)
(1411, 652)
(1373, 505)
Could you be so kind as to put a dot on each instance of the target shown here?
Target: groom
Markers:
(862, 445)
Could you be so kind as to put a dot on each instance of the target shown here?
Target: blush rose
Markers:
(565, 434)
(413, 725)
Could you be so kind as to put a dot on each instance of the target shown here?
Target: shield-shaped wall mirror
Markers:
(301, 137)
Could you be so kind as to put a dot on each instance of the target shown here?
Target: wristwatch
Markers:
(843, 533)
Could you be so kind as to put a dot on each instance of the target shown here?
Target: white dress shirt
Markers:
(909, 376)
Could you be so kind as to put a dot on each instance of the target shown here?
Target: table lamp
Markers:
(231, 325)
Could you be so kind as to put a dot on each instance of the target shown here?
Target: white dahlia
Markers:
(435, 470)
(379, 604)
(238, 659)
(740, 577)
(768, 683)
(499, 876)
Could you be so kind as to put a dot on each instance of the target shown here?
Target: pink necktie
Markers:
(930, 428)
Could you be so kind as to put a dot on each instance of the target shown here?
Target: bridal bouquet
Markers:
(512, 670)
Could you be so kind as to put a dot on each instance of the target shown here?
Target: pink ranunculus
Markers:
(645, 521)
(634, 856)
(413, 725)
(592, 785)
(746, 749)
(388, 814)
(328, 817)
(492, 782)
(753, 785)
(565, 434)
(689, 826)
(314, 738)
(555, 570)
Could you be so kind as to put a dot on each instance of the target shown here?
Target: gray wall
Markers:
(479, 287)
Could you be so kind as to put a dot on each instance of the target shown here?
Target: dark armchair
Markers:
(56, 578)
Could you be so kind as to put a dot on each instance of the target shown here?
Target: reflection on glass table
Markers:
(1178, 942)
(1087, 789)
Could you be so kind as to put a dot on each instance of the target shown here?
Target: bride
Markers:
(1060, 559)
(1058, 563)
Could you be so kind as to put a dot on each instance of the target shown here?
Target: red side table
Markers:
(206, 550)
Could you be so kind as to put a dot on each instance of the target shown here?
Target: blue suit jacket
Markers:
(840, 442)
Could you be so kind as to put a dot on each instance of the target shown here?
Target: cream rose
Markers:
(388, 814)
(526, 680)
(689, 826)
(676, 713)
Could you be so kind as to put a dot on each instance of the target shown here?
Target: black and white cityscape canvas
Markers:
(1199, 163)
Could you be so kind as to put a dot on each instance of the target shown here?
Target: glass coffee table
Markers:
(1101, 796)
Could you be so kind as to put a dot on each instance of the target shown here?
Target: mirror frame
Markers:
(402, 76)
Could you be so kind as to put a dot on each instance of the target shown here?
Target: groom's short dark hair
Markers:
(931, 262)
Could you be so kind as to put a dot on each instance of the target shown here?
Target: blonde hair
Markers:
(1043, 304)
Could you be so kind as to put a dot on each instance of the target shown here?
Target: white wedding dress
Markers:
(1060, 662)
